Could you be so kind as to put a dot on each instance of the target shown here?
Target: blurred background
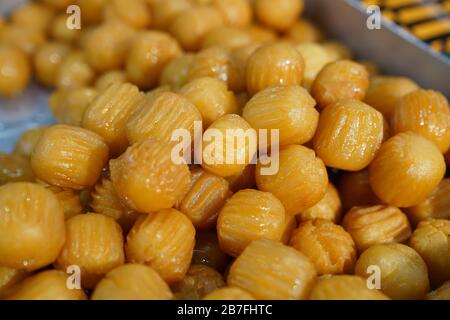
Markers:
(393, 47)
(23, 112)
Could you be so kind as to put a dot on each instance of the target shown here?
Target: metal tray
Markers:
(392, 48)
(23, 112)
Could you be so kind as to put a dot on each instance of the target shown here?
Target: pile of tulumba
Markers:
(100, 193)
